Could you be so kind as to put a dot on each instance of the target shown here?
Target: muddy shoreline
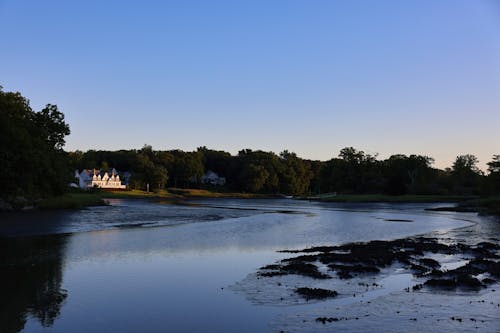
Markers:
(447, 280)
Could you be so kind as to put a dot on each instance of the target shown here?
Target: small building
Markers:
(98, 178)
(212, 178)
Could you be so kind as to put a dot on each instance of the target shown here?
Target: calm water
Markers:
(140, 266)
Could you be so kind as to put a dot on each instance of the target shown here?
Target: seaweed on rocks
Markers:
(488, 246)
(355, 259)
(315, 293)
(272, 266)
(324, 320)
(312, 249)
(428, 262)
(305, 269)
(419, 269)
(294, 267)
(488, 281)
(461, 282)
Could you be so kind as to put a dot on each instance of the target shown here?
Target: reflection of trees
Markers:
(31, 273)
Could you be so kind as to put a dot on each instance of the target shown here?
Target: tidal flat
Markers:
(143, 266)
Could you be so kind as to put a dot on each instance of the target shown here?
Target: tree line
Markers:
(256, 171)
(34, 164)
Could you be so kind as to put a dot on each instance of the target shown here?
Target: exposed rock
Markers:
(354, 259)
(429, 262)
(315, 293)
(462, 282)
(324, 320)
(295, 267)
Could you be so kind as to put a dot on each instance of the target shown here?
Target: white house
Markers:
(98, 178)
(212, 178)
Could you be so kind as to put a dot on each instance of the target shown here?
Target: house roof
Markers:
(97, 172)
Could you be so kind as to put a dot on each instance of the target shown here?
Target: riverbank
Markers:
(77, 199)
(71, 201)
(490, 206)
(179, 193)
(388, 198)
(484, 206)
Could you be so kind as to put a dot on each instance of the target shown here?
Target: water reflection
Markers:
(31, 270)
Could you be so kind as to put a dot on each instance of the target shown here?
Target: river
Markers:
(145, 266)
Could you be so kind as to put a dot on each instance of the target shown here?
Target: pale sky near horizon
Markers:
(387, 77)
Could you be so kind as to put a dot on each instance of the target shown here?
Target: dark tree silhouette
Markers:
(33, 162)
(31, 280)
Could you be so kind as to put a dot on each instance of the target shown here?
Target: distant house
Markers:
(212, 178)
(98, 178)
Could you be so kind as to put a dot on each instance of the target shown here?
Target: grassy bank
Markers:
(72, 201)
(388, 198)
(137, 194)
(77, 199)
(198, 193)
(80, 199)
(176, 193)
(488, 206)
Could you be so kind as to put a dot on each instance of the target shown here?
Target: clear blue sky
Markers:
(308, 76)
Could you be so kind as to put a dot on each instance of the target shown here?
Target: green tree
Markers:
(295, 174)
(353, 172)
(254, 177)
(52, 126)
(31, 155)
(494, 164)
(269, 162)
(186, 168)
(491, 184)
(216, 161)
(466, 175)
(408, 174)
(149, 172)
(352, 156)
(466, 164)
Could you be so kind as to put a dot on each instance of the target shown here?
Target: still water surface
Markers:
(141, 266)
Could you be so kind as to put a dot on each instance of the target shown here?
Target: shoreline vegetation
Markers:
(71, 201)
(464, 204)
(179, 193)
(483, 206)
(81, 199)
